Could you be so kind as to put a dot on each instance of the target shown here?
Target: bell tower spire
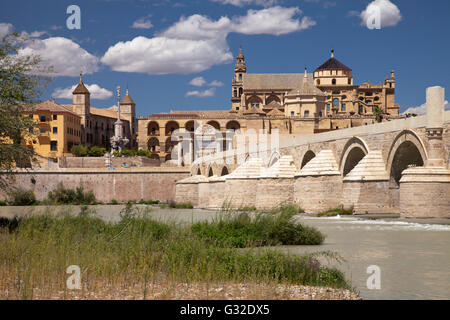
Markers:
(238, 81)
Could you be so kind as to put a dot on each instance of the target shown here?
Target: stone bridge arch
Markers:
(273, 159)
(307, 157)
(354, 151)
(224, 171)
(406, 149)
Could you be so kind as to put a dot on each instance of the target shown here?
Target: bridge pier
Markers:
(318, 185)
(276, 185)
(425, 191)
(366, 187)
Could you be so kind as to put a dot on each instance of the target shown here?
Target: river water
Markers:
(413, 258)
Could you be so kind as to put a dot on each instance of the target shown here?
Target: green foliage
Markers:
(20, 87)
(79, 150)
(132, 153)
(149, 202)
(241, 230)
(114, 202)
(95, 151)
(61, 195)
(378, 113)
(3, 203)
(22, 197)
(138, 247)
(336, 211)
(144, 153)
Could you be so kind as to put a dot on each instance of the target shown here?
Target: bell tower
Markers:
(81, 99)
(238, 84)
(128, 110)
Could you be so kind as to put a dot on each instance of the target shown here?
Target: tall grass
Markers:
(37, 250)
(242, 229)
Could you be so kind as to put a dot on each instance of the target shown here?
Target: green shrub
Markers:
(143, 153)
(149, 202)
(336, 211)
(128, 153)
(22, 197)
(114, 202)
(3, 203)
(79, 150)
(241, 230)
(61, 195)
(96, 151)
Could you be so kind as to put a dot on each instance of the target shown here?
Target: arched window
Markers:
(318, 82)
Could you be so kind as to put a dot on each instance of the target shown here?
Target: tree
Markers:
(378, 113)
(22, 79)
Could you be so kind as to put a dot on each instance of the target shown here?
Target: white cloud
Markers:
(422, 109)
(96, 91)
(198, 82)
(275, 21)
(65, 56)
(390, 15)
(163, 55)
(202, 94)
(241, 3)
(142, 23)
(197, 43)
(5, 28)
(216, 83)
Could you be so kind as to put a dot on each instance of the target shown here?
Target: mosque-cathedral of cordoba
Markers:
(297, 103)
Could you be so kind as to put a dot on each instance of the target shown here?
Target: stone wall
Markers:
(274, 192)
(370, 197)
(100, 162)
(318, 193)
(122, 184)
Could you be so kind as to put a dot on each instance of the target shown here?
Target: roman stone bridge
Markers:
(400, 166)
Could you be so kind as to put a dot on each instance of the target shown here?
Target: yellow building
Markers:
(58, 130)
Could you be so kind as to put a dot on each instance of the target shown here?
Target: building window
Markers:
(343, 108)
(336, 92)
(55, 117)
(292, 113)
(360, 109)
(320, 114)
(54, 145)
(55, 130)
(349, 81)
(369, 94)
(333, 82)
(43, 118)
(306, 114)
(240, 76)
(318, 82)
(328, 107)
(336, 103)
(235, 93)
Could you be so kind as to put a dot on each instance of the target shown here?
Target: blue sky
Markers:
(158, 47)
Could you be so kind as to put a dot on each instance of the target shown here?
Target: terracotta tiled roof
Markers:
(127, 100)
(204, 113)
(80, 88)
(284, 81)
(52, 106)
(276, 113)
(105, 113)
(255, 111)
(306, 88)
